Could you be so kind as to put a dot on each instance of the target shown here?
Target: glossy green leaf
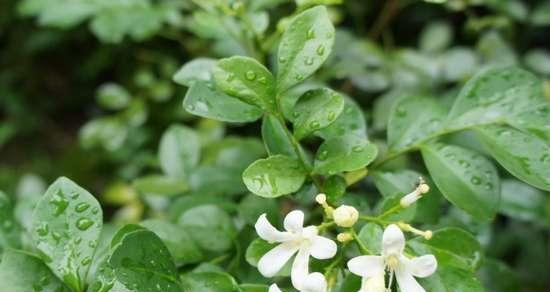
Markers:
(525, 156)
(67, 222)
(344, 154)
(315, 110)
(466, 178)
(253, 288)
(179, 151)
(252, 206)
(22, 272)
(217, 180)
(274, 176)
(198, 69)
(209, 282)
(9, 229)
(351, 122)
(160, 185)
(412, 120)
(246, 79)
(275, 138)
(449, 279)
(498, 276)
(523, 202)
(257, 248)
(204, 101)
(210, 227)
(534, 121)
(113, 96)
(233, 152)
(142, 262)
(305, 45)
(371, 236)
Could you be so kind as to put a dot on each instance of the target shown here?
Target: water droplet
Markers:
(230, 77)
(250, 75)
(308, 61)
(60, 204)
(74, 195)
(488, 186)
(84, 223)
(93, 243)
(42, 229)
(331, 116)
(401, 111)
(78, 240)
(86, 261)
(314, 125)
(320, 50)
(95, 210)
(262, 80)
(464, 163)
(299, 77)
(282, 60)
(190, 107)
(311, 33)
(81, 207)
(545, 157)
(323, 155)
(357, 148)
(475, 180)
(56, 235)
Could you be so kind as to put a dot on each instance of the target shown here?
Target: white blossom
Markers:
(314, 282)
(345, 216)
(297, 239)
(372, 268)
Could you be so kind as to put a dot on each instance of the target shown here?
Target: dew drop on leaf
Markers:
(310, 33)
(43, 229)
(262, 80)
(230, 77)
(475, 180)
(323, 155)
(81, 207)
(314, 125)
(84, 223)
(250, 75)
(308, 61)
(357, 148)
(320, 50)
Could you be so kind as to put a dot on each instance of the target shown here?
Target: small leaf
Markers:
(275, 137)
(203, 101)
(198, 69)
(160, 185)
(274, 176)
(304, 47)
(179, 151)
(436, 36)
(113, 96)
(371, 236)
(257, 248)
(316, 109)
(209, 282)
(525, 156)
(344, 154)
(67, 222)
(246, 79)
(466, 178)
(210, 227)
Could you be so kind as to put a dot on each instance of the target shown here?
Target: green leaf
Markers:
(412, 120)
(525, 156)
(274, 176)
(344, 154)
(316, 109)
(22, 272)
(176, 239)
(9, 230)
(253, 288)
(523, 202)
(252, 206)
(371, 236)
(142, 262)
(534, 121)
(452, 247)
(538, 60)
(198, 69)
(497, 276)
(203, 100)
(67, 222)
(257, 248)
(541, 14)
(210, 227)
(217, 180)
(113, 96)
(107, 132)
(436, 36)
(305, 45)
(275, 137)
(179, 151)
(466, 178)
(351, 122)
(209, 282)
(449, 279)
(233, 152)
(246, 79)
(493, 95)
(160, 185)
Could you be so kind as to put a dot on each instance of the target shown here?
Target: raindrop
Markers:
(357, 148)
(464, 163)
(299, 77)
(311, 33)
(250, 75)
(401, 111)
(259, 182)
(56, 235)
(323, 155)
(93, 243)
(86, 261)
(43, 229)
(262, 80)
(488, 186)
(74, 195)
(331, 116)
(475, 180)
(60, 204)
(81, 207)
(282, 60)
(314, 125)
(84, 223)
(230, 77)
(95, 210)
(190, 107)
(320, 50)
(545, 157)
(308, 61)
(78, 240)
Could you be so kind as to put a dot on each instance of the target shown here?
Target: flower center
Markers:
(392, 262)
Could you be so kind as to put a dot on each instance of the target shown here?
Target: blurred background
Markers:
(86, 89)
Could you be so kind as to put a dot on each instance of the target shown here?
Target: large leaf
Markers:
(304, 47)
(274, 176)
(210, 227)
(179, 151)
(467, 179)
(412, 120)
(246, 79)
(22, 272)
(67, 222)
(316, 109)
(534, 121)
(344, 154)
(525, 156)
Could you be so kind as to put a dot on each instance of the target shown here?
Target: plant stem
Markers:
(359, 243)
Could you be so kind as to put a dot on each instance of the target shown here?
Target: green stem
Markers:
(390, 211)
(362, 247)
(375, 220)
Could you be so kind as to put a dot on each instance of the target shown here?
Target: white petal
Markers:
(300, 268)
(322, 248)
(315, 282)
(422, 266)
(294, 221)
(393, 240)
(274, 288)
(406, 281)
(267, 232)
(373, 284)
(274, 260)
(366, 266)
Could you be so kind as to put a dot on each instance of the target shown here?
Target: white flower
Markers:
(296, 239)
(314, 282)
(371, 268)
(345, 216)
(413, 196)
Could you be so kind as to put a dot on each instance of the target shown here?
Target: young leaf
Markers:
(9, 229)
(198, 69)
(316, 109)
(142, 262)
(246, 79)
(344, 154)
(179, 151)
(467, 179)
(210, 227)
(67, 222)
(22, 272)
(525, 156)
(413, 119)
(275, 138)
(304, 47)
(209, 282)
(351, 122)
(274, 176)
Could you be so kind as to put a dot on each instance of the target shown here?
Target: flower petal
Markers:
(393, 240)
(322, 248)
(373, 284)
(274, 260)
(267, 232)
(366, 266)
(274, 288)
(315, 282)
(422, 266)
(294, 221)
(406, 281)
(300, 268)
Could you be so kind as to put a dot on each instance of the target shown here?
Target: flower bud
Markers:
(321, 199)
(344, 237)
(345, 216)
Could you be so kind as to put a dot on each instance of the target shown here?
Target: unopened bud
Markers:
(321, 199)
(344, 237)
(428, 234)
(345, 216)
